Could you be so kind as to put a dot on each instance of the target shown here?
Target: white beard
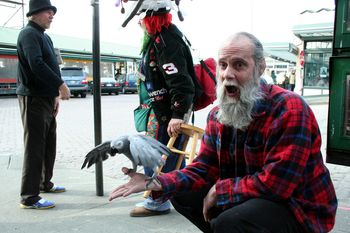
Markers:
(238, 112)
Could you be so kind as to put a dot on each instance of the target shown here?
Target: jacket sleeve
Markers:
(202, 172)
(172, 62)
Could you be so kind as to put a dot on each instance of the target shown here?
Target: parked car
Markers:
(127, 83)
(110, 85)
(76, 80)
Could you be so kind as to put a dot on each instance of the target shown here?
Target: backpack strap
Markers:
(208, 71)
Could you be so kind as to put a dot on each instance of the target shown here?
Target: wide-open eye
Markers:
(222, 65)
(239, 65)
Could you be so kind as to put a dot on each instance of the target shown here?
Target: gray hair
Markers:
(258, 54)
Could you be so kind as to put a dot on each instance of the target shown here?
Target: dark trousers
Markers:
(291, 87)
(253, 216)
(39, 127)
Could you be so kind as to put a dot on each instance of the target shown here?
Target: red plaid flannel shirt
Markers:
(278, 157)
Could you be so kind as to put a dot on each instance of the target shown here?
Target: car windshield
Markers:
(121, 77)
(72, 73)
(131, 77)
(107, 80)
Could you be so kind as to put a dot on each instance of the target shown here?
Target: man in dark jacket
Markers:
(39, 87)
(168, 70)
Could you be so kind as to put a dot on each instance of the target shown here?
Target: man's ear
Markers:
(262, 67)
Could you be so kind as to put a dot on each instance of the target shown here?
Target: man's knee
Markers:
(256, 215)
(227, 223)
(179, 202)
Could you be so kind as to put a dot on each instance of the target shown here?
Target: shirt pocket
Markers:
(254, 157)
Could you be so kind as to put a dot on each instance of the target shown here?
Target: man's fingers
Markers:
(128, 171)
(125, 170)
(173, 131)
(117, 193)
(205, 211)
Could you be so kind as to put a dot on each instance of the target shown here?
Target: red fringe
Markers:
(155, 23)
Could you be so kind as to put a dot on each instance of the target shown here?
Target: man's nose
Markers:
(228, 73)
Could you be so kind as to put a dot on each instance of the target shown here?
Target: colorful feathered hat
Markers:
(150, 7)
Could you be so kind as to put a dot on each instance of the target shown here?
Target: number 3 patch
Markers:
(170, 68)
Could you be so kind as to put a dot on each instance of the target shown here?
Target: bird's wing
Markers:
(99, 153)
(147, 150)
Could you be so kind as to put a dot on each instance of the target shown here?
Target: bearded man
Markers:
(259, 168)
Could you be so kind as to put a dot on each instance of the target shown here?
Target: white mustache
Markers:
(230, 83)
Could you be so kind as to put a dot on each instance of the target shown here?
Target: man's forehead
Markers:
(238, 46)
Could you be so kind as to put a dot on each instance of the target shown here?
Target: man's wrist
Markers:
(153, 184)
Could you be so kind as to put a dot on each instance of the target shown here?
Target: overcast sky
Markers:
(206, 24)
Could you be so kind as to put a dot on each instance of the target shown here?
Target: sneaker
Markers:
(156, 205)
(42, 204)
(140, 211)
(55, 189)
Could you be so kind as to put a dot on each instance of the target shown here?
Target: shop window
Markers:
(316, 68)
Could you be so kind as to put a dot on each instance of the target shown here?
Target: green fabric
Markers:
(142, 112)
(141, 116)
(145, 42)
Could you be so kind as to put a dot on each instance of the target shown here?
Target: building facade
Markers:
(315, 50)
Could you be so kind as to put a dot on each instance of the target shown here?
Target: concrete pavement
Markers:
(79, 209)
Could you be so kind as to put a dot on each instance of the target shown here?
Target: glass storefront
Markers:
(106, 68)
(316, 69)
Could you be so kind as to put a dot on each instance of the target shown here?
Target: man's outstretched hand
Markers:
(136, 184)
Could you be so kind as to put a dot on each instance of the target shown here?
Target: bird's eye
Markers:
(119, 144)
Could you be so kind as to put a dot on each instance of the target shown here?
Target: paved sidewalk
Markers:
(79, 209)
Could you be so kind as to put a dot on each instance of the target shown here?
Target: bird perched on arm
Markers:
(142, 150)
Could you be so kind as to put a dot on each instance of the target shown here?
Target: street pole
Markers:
(97, 92)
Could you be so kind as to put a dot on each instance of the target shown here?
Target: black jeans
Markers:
(39, 126)
(252, 216)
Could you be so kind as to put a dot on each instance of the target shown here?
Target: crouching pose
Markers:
(259, 168)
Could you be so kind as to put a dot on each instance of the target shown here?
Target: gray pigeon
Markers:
(142, 150)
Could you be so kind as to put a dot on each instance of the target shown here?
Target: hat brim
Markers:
(53, 8)
(160, 11)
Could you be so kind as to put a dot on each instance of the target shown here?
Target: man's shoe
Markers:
(140, 211)
(55, 189)
(42, 204)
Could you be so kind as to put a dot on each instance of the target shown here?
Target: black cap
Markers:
(36, 6)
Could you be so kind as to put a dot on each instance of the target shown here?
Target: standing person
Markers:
(39, 88)
(281, 79)
(273, 76)
(259, 168)
(291, 85)
(167, 67)
(286, 81)
(266, 76)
